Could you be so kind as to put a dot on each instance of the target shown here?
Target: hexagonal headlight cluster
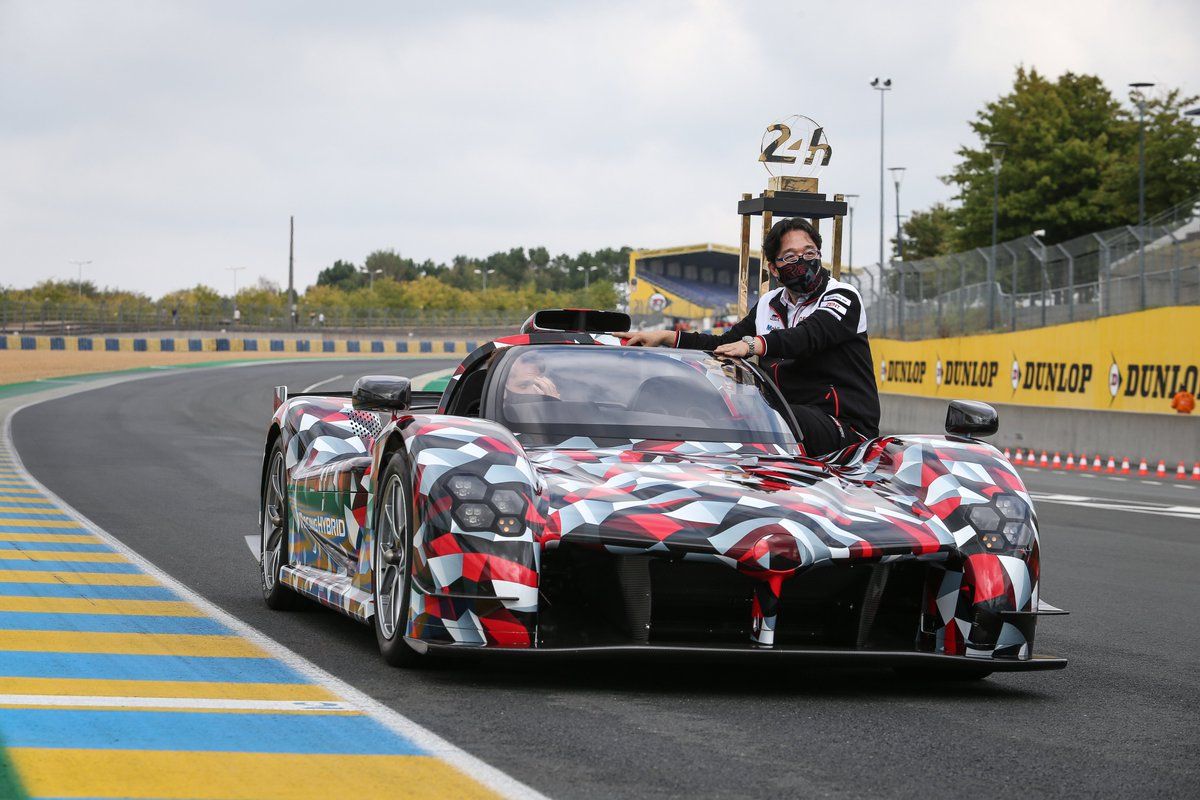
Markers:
(1003, 524)
(479, 507)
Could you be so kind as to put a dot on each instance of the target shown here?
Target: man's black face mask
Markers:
(801, 277)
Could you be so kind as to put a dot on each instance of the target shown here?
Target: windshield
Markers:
(559, 391)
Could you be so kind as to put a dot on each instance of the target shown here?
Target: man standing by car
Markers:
(811, 337)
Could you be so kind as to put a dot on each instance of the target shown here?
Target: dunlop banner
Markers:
(1131, 362)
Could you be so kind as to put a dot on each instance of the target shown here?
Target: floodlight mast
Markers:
(881, 85)
(1139, 92)
(80, 265)
(997, 149)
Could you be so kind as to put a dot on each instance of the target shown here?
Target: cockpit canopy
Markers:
(553, 392)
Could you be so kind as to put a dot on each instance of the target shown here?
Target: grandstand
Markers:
(694, 282)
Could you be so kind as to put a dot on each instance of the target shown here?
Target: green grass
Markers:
(10, 783)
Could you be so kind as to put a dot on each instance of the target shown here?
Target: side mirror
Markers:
(381, 393)
(970, 418)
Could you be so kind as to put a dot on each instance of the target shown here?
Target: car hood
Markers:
(773, 514)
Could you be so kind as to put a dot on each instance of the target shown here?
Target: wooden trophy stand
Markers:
(786, 196)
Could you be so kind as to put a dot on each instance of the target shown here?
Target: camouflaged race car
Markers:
(568, 495)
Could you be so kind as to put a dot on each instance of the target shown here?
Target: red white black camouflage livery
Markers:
(643, 500)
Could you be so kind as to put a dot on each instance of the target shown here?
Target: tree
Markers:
(200, 299)
(343, 275)
(1172, 158)
(928, 233)
(1061, 138)
(1070, 165)
(391, 265)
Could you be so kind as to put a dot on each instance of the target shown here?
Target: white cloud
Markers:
(168, 141)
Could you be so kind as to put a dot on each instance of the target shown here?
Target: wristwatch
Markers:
(752, 343)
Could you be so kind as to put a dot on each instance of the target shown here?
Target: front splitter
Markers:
(817, 658)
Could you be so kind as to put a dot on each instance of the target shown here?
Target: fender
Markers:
(470, 587)
(983, 602)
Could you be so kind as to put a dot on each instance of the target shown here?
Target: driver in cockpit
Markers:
(528, 377)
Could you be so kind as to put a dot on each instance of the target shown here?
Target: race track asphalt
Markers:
(170, 466)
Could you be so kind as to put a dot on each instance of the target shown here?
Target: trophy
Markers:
(794, 152)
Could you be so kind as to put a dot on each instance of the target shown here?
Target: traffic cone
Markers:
(1196, 471)
(1125, 466)
(1056, 463)
(1018, 459)
(1070, 462)
(1096, 464)
(1007, 454)
(1143, 468)
(1045, 462)
(1181, 472)
(1112, 466)
(1161, 472)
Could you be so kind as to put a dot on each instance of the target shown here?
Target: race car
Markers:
(569, 495)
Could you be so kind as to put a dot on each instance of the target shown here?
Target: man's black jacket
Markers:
(818, 353)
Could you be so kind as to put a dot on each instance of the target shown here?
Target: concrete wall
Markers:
(1116, 433)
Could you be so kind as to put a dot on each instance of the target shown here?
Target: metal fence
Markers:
(1025, 283)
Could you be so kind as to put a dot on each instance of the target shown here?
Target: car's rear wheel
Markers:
(391, 565)
(273, 538)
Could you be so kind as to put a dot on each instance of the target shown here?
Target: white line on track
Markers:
(1110, 504)
(253, 540)
(321, 383)
(1184, 484)
(212, 703)
(424, 738)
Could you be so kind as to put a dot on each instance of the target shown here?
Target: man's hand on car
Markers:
(647, 338)
(733, 350)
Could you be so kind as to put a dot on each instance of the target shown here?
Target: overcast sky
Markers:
(166, 141)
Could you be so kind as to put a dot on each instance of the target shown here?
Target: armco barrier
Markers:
(232, 344)
(1132, 362)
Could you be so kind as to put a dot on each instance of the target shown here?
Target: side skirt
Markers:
(329, 589)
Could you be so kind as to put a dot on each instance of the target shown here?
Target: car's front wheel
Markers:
(273, 538)
(391, 567)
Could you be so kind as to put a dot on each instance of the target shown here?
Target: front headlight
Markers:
(467, 487)
(474, 516)
(479, 507)
(1005, 523)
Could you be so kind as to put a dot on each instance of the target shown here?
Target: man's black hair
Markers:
(774, 239)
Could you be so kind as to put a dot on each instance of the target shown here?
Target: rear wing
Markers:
(421, 400)
(577, 320)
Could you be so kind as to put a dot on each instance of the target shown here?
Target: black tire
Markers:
(391, 581)
(273, 535)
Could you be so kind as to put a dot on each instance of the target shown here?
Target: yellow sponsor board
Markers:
(1132, 362)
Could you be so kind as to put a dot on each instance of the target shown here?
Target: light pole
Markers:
(587, 273)
(1040, 255)
(80, 265)
(997, 149)
(1140, 99)
(897, 177)
(371, 273)
(484, 273)
(235, 271)
(850, 198)
(881, 85)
